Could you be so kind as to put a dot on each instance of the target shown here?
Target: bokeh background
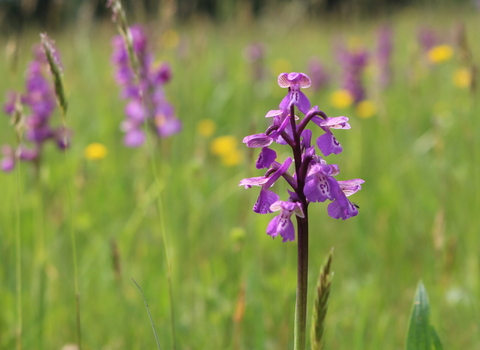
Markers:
(415, 143)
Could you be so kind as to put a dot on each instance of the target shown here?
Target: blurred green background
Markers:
(233, 286)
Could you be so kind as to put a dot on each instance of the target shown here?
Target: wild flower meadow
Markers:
(168, 115)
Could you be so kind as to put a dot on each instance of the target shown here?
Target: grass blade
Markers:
(421, 335)
(149, 315)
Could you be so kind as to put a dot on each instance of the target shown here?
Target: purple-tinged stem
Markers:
(309, 117)
(302, 283)
(302, 258)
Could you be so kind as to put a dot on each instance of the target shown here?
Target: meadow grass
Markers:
(418, 208)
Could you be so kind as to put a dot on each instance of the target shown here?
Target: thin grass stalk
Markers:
(62, 102)
(40, 229)
(149, 315)
(161, 215)
(18, 263)
(321, 304)
(18, 123)
(74, 253)
(120, 19)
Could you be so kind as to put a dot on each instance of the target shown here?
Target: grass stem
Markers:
(149, 315)
(18, 263)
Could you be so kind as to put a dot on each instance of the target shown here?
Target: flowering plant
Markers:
(313, 180)
(39, 101)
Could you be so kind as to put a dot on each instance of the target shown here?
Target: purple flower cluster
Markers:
(384, 55)
(313, 180)
(318, 74)
(353, 64)
(143, 88)
(40, 102)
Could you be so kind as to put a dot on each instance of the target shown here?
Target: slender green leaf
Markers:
(436, 339)
(421, 335)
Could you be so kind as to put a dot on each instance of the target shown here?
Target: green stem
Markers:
(74, 253)
(40, 227)
(149, 315)
(18, 262)
(165, 242)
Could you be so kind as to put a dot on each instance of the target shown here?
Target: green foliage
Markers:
(421, 334)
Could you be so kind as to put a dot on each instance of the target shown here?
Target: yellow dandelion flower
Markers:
(170, 39)
(281, 65)
(223, 145)
(95, 151)
(206, 127)
(232, 158)
(462, 78)
(341, 99)
(365, 109)
(440, 53)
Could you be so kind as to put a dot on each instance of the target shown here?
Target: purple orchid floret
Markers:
(258, 140)
(267, 197)
(282, 224)
(342, 207)
(295, 81)
(313, 180)
(266, 158)
(328, 143)
(144, 90)
(320, 184)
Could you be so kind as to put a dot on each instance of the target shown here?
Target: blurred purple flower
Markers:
(255, 55)
(353, 64)
(8, 158)
(144, 91)
(427, 38)
(318, 74)
(384, 55)
(39, 102)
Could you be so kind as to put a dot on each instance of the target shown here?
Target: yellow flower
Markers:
(341, 99)
(223, 145)
(95, 151)
(365, 109)
(355, 42)
(170, 39)
(281, 65)
(232, 158)
(462, 78)
(440, 53)
(206, 127)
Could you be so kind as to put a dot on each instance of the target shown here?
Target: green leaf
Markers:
(421, 335)
(436, 339)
